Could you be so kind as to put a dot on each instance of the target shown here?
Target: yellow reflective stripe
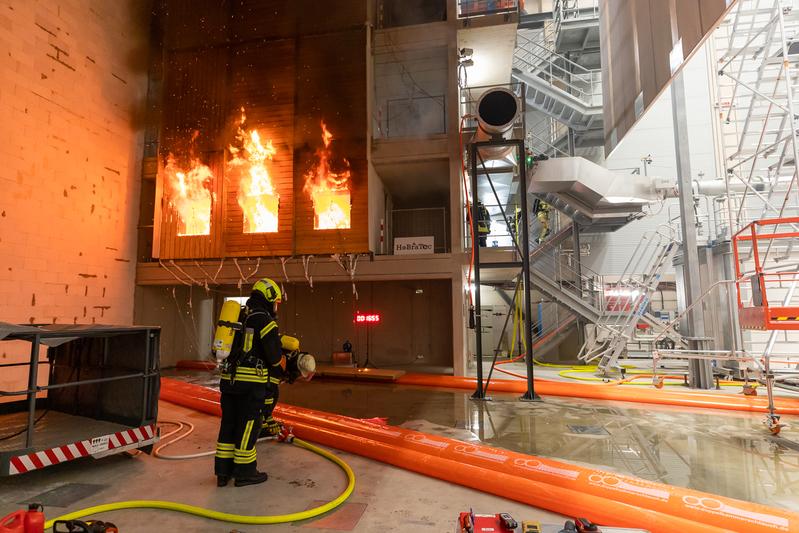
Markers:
(249, 379)
(269, 401)
(250, 453)
(224, 455)
(246, 437)
(276, 381)
(253, 379)
(248, 370)
(224, 446)
(269, 327)
(247, 342)
(243, 461)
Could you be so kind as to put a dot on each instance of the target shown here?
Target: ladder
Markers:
(634, 292)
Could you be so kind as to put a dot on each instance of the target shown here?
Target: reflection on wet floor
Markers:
(720, 452)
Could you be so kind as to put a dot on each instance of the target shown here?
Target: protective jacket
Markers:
(256, 353)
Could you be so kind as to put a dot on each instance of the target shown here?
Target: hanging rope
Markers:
(349, 268)
(255, 270)
(191, 331)
(306, 265)
(193, 281)
(183, 281)
(241, 274)
(218, 270)
(207, 276)
(286, 276)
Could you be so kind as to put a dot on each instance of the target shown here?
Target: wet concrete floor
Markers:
(298, 480)
(720, 452)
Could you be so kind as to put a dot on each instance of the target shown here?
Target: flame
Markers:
(257, 196)
(190, 195)
(329, 190)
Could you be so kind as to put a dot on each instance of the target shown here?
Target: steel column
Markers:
(700, 371)
(479, 394)
(530, 395)
(523, 249)
(33, 378)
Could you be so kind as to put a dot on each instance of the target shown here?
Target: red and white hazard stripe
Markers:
(95, 447)
(130, 436)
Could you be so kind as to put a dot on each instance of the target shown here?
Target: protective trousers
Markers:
(242, 402)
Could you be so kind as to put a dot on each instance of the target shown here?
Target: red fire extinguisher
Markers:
(30, 521)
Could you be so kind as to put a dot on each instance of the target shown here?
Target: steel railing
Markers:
(558, 71)
(564, 11)
(481, 8)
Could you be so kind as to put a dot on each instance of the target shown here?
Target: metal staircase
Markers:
(560, 88)
(632, 293)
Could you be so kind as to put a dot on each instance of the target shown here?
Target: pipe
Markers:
(560, 487)
(544, 387)
(707, 187)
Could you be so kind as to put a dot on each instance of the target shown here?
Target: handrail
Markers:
(537, 58)
(688, 309)
(563, 9)
(564, 58)
(643, 268)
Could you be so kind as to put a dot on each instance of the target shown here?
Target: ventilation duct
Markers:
(498, 109)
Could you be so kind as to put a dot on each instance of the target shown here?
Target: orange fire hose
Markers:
(544, 387)
(703, 400)
(560, 487)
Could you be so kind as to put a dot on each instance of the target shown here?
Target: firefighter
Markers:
(483, 223)
(542, 214)
(245, 377)
(516, 224)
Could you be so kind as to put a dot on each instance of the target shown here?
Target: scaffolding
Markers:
(757, 60)
(757, 57)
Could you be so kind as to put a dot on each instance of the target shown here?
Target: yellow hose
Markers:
(227, 517)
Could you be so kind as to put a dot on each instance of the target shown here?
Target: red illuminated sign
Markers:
(367, 318)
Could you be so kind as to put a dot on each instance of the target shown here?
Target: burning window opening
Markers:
(257, 196)
(189, 194)
(329, 190)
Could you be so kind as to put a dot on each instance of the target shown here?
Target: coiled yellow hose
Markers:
(227, 517)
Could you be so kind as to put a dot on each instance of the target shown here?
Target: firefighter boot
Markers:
(251, 479)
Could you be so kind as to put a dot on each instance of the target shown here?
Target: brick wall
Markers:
(72, 89)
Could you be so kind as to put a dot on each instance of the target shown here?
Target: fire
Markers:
(257, 196)
(329, 190)
(190, 195)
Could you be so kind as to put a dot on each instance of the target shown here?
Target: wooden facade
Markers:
(289, 72)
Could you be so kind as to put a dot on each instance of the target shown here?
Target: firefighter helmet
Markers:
(269, 289)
